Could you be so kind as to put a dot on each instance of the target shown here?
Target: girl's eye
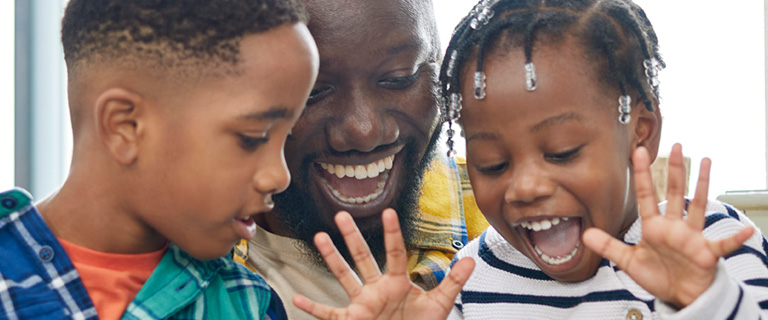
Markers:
(563, 157)
(318, 93)
(399, 83)
(249, 143)
(491, 170)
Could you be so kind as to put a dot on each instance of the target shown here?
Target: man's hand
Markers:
(382, 296)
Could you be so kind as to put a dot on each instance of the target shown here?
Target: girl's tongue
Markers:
(559, 240)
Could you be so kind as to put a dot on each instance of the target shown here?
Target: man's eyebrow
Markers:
(412, 44)
(558, 119)
(274, 113)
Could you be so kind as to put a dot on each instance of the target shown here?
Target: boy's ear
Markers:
(648, 128)
(118, 114)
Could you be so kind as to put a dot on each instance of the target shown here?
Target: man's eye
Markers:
(249, 143)
(318, 93)
(563, 157)
(495, 169)
(399, 82)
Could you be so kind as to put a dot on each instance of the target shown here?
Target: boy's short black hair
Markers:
(168, 33)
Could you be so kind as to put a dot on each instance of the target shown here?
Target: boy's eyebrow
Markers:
(558, 119)
(274, 113)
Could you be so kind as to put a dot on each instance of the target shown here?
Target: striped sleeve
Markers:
(740, 289)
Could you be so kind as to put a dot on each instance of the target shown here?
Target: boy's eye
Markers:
(399, 83)
(563, 157)
(250, 143)
(318, 93)
(495, 169)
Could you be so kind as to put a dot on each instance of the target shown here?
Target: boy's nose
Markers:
(272, 176)
(364, 125)
(528, 184)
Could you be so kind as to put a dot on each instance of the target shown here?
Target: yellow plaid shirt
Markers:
(449, 219)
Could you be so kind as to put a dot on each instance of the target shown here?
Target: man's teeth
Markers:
(556, 260)
(371, 170)
(543, 224)
(365, 199)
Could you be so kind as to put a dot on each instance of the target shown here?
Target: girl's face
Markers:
(548, 164)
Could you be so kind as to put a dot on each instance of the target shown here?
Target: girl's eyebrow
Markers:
(555, 120)
(482, 136)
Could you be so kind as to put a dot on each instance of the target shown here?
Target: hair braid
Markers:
(616, 30)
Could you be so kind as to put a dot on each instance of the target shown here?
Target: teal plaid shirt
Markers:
(39, 281)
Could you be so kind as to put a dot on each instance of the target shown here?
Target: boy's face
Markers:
(212, 155)
(548, 164)
(369, 118)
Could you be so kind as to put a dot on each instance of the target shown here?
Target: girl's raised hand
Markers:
(382, 296)
(673, 261)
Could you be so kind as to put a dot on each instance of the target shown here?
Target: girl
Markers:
(559, 105)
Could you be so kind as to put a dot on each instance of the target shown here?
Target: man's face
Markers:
(362, 142)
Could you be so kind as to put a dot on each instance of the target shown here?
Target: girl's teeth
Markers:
(544, 224)
(557, 260)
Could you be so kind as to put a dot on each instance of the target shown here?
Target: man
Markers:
(366, 138)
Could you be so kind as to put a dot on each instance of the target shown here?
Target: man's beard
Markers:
(303, 219)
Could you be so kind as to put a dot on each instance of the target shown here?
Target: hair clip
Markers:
(652, 68)
(625, 106)
(479, 85)
(530, 76)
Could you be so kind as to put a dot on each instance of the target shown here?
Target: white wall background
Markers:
(713, 89)
(6, 94)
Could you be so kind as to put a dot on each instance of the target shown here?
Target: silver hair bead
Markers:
(652, 68)
(483, 14)
(625, 107)
(454, 108)
(452, 62)
(479, 85)
(530, 76)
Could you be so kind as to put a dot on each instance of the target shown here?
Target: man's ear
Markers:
(118, 113)
(648, 128)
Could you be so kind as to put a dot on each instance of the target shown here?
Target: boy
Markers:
(180, 111)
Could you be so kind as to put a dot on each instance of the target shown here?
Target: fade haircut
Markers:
(616, 36)
(168, 33)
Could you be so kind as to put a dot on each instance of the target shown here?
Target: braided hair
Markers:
(615, 33)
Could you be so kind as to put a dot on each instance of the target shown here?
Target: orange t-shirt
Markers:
(112, 280)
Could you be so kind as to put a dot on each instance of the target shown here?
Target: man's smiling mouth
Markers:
(357, 184)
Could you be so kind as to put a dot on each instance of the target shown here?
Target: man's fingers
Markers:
(358, 248)
(317, 310)
(607, 246)
(397, 260)
(675, 183)
(336, 263)
(697, 207)
(646, 196)
(445, 293)
(726, 246)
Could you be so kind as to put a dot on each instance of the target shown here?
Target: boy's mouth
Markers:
(555, 241)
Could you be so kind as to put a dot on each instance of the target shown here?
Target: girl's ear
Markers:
(120, 123)
(648, 128)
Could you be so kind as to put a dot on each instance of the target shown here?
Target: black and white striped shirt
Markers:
(508, 285)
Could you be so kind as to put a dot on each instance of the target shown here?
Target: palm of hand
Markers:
(388, 296)
(673, 261)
